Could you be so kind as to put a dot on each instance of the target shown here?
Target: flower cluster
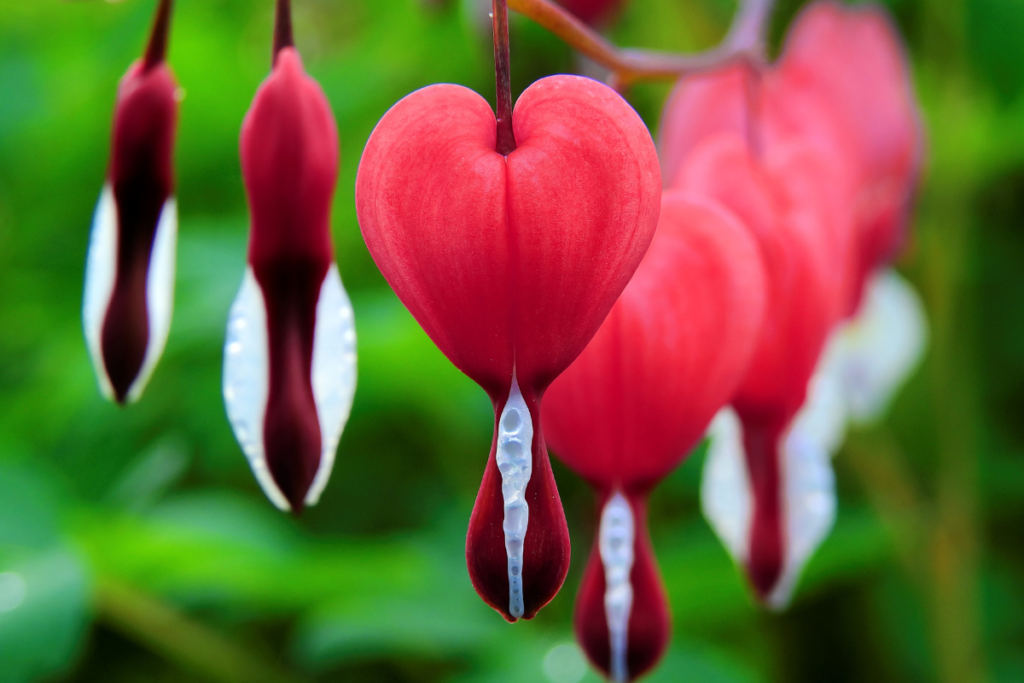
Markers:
(618, 304)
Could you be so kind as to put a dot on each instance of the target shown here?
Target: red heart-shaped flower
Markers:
(669, 355)
(510, 264)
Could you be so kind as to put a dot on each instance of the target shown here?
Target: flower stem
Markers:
(156, 50)
(506, 139)
(745, 40)
(283, 27)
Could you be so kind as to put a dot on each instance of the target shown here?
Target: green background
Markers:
(148, 552)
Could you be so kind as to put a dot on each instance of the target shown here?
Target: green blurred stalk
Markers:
(946, 246)
(185, 642)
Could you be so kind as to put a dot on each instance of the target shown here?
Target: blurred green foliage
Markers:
(135, 544)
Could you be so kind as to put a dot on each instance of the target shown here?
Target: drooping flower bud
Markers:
(129, 277)
(290, 356)
(671, 352)
(510, 263)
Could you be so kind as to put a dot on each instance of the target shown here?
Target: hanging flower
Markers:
(509, 238)
(638, 399)
(841, 94)
(290, 357)
(129, 275)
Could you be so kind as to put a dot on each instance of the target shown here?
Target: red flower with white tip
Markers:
(509, 240)
(780, 193)
(129, 277)
(289, 357)
(638, 399)
(841, 93)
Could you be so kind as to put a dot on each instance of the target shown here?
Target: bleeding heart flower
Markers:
(129, 276)
(671, 352)
(820, 103)
(510, 263)
(289, 357)
(780, 197)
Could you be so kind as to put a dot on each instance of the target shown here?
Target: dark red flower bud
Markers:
(289, 358)
(668, 356)
(129, 281)
(510, 263)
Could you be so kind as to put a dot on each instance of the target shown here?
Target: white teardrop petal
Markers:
(333, 373)
(100, 273)
(809, 508)
(823, 417)
(159, 294)
(879, 348)
(616, 540)
(725, 494)
(247, 378)
(514, 457)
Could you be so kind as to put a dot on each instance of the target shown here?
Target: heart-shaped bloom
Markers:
(290, 355)
(129, 276)
(840, 93)
(510, 263)
(671, 352)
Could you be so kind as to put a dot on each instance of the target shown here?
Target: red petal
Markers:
(546, 548)
(670, 354)
(783, 202)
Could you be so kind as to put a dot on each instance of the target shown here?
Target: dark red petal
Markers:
(670, 354)
(649, 621)
(766, 556)
(546, 549)
(142, 179)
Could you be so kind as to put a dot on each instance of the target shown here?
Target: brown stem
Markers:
(283, 27)
(745, 40)
(506, 139)
(156, 50)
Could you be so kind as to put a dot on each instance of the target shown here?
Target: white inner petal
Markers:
(809, 508)
(247, 378)
(333, 372)
(823, 416)
(159, 294)
(616, 539)
(514, 457)
(100, 272)
(878, 349)
(725, 494)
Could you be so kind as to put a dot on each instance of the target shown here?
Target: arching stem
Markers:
(745, 40)
(283, 27)
(506, 139)
(156, 50)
